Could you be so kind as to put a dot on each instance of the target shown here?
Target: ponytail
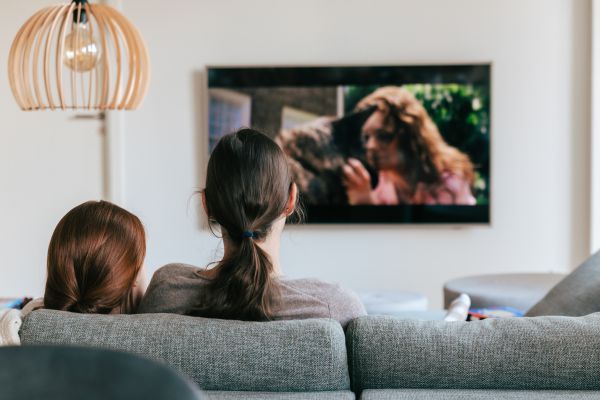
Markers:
(243, 288)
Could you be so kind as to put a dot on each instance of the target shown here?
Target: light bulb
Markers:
(81, 52)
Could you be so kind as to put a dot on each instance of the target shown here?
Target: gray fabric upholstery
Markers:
(577, 294)
(75, 373)
(441, 394)
(560, 353)
(284, 356)
(341, 395)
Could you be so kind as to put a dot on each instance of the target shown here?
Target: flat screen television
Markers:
(369, 144)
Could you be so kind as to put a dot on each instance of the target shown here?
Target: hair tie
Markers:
(248, 234)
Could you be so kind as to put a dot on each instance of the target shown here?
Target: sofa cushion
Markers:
(575, 295)
(511, 353)
(287, 356)
(339, 395)
(450, 394)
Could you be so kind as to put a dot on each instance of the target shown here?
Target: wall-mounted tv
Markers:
(369, 144)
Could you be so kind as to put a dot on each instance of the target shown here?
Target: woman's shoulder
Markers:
(173, 289)
(177, 270)
(316, 285)
(334, 291)
(342, 303)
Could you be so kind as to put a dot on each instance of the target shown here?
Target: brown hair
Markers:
(95, 255)
(426, 152)
(248, 185)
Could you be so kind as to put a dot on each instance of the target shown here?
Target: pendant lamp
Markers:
(78, 56)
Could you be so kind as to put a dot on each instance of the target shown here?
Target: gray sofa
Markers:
(376, 358)
(515, 358)
(281, 360)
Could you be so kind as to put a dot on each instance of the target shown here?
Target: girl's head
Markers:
(249, 193)
(248, 185)
(94, 260)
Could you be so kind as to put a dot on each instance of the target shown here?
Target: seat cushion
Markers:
(450, 394)
(339, 395)
(577, 294)
(553, 353)
(278, 356)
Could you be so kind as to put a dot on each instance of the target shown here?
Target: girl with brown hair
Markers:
(249, 194)
(94, 266)
(95, 261)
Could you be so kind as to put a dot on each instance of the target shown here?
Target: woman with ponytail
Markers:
(249, 195)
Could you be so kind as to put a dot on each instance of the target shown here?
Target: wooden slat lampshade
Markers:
(78, 56)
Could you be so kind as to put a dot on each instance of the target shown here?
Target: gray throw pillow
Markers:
(576, 295)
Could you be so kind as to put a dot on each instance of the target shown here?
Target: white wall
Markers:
(540, 128)
(48, 164)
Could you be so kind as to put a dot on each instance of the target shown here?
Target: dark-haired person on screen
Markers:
(413, 162)
(249, 194)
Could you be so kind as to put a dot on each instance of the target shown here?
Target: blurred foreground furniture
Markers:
(75, 373)
(520, 291)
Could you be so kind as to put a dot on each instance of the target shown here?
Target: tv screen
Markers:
(379, 144)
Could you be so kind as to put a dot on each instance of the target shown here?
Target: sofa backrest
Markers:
(560, 353)
(278, 356)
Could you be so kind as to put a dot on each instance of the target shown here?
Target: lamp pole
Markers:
(114, 145)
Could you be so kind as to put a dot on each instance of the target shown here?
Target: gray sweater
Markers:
(175, 289)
